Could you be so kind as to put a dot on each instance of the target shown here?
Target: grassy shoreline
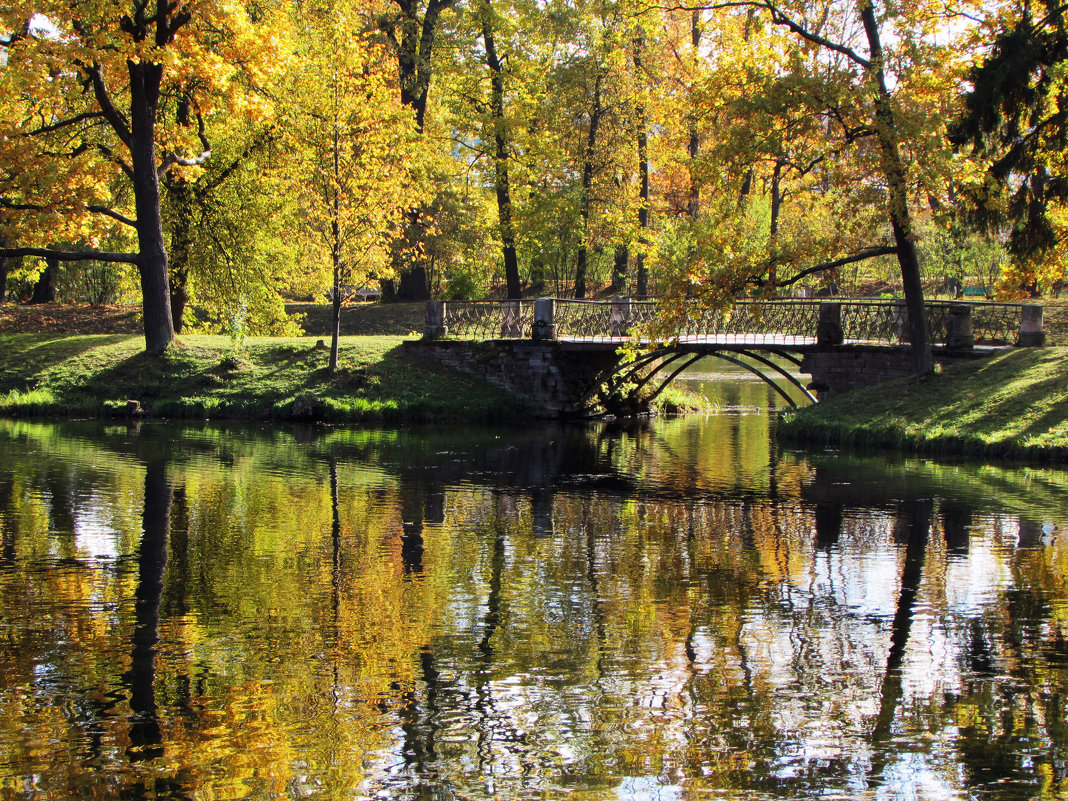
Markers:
(1013, 406)
(262, 378)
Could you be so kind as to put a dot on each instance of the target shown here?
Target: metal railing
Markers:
(752, 322)
(469, 319)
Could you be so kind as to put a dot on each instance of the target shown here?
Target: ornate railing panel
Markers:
(996, 323)
(489, 319)
(748, 322)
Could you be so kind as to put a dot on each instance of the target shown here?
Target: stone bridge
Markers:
(581, 358)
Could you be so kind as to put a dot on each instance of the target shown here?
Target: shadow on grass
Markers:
(28, 356)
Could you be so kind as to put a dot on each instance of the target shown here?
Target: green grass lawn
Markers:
(1014, 405)
(264, 378)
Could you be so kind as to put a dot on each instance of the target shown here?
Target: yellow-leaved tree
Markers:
(353, 150)
(96, 92)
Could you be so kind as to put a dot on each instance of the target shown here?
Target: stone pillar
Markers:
(960, 335)
(435, 320)
(829, 329)
(511, 327)
(621, 317)
(1032, 334)
(544, 319)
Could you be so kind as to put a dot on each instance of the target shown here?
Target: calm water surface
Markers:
(667, 610)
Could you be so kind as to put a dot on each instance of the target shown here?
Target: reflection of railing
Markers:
(752, 322)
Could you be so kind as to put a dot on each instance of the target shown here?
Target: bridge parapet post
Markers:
(544, 319)
(435, 327)
(829, 328)
(622, 315)
(960, 334)
(1032, 334)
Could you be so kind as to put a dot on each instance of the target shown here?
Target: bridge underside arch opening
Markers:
(643, 380)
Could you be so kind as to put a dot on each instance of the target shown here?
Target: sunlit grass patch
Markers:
(258, 378)
(1014, 404)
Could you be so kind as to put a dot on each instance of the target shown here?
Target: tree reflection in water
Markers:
(670, 608)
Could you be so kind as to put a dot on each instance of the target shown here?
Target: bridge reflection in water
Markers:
(572, 361)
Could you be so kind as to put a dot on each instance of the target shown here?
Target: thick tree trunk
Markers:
(3, 277)
(415, 48)
(155, 286)
(44, 291)
(500, 160)
(596, 112)
(897, 188)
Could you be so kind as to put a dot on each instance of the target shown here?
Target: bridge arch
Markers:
(657, 368)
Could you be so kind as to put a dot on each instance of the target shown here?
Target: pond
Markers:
(668, 609)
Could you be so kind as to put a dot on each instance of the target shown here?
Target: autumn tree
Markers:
(226, 227)
(98, 91)
(876, 102)
(413, 31)
(352, 148)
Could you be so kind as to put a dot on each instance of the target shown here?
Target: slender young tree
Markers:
(352, 151)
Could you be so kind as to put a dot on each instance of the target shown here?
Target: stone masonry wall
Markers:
(555, 380)
(843, 368)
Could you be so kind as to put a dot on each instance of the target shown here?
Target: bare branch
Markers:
(72, 255)
(103, 98)
(778, 17)
(113, 215)
(864, 255)
(55, 126)
(174, 158)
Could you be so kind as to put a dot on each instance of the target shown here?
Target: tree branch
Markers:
(103, 99)
(778, 17)
(113, 215)
(72, 255)
(869, 253)
(55, 126)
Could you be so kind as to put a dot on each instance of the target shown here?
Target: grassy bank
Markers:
(208, 377)
(1014, 405)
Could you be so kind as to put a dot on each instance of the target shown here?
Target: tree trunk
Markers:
(643, 182)
(693, 148)
(152, 263)
(44, 291)
(180, 251)
(619, 268)
(3, 277)
(587, 182)
(415, 47)
(335, 314)
(500, 161)
(335, 255)
(773, 234)
(893, 169)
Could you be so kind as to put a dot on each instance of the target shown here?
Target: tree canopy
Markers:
(237, 153)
